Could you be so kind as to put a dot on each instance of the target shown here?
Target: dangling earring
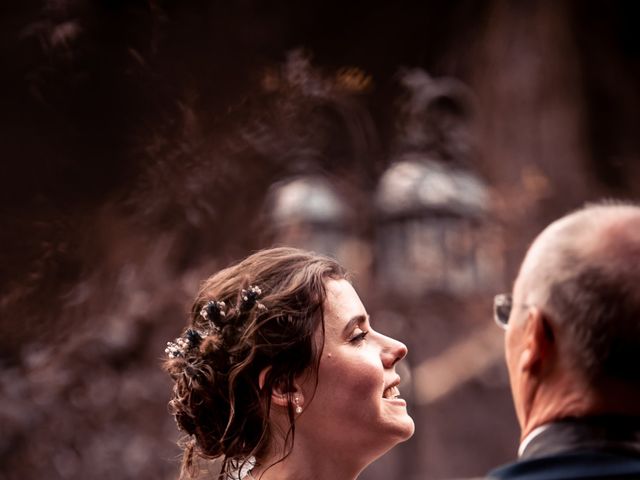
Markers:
(296, 402)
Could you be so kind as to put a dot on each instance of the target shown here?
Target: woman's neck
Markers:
(307, 464)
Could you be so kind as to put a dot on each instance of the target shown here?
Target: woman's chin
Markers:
(408, 429)
(402, 422)
(403, 429)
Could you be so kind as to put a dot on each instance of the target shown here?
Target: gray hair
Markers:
(596, 296)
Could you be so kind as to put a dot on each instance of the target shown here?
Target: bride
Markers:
(280, 374)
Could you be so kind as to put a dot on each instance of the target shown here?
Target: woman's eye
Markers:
(357, 338)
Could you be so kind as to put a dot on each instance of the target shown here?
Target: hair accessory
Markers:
(213, 310)
(181, 346)
(250, 298)
(193, 337)
(215, 313)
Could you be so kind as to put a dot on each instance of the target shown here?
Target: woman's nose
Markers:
(393, 352)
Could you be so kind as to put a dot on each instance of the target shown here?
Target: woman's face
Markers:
(356, 409)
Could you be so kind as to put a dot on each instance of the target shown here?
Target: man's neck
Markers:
(550, 404)
(573, 400)
(604, 433)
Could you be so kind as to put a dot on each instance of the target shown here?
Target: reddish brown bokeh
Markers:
(142, 142)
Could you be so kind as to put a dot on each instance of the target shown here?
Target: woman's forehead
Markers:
(342, 304)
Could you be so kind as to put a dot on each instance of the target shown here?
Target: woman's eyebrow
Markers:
(354, 321)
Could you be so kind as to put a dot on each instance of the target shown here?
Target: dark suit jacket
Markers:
(589, 448)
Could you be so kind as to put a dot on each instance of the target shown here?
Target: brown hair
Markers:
(216, 397)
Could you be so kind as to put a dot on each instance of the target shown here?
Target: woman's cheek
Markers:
(360, 375)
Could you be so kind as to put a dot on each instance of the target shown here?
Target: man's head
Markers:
(573, 337)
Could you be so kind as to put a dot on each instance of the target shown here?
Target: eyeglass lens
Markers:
(502, 309)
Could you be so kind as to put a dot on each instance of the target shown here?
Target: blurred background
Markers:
(146, 144)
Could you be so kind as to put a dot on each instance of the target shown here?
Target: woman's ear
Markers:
(263, 376)
(280, 395)
(282, 399)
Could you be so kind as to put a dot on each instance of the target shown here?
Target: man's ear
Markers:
(539, 342)
(281, 396)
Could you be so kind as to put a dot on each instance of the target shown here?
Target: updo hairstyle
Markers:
(216, 398)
